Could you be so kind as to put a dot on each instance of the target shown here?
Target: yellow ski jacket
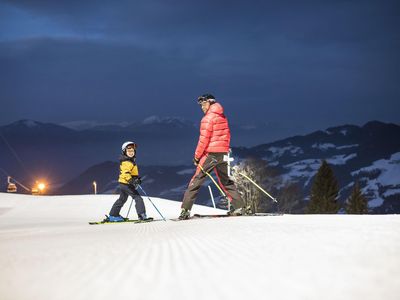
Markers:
(128, 169)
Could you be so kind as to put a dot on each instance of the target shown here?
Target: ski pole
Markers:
(249, 179)
(212, 196)
(151, 201)
(216, 184)
(129, 209)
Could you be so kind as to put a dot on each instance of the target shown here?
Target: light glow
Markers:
(41, 186)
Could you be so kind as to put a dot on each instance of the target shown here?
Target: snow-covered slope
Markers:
(48, 251)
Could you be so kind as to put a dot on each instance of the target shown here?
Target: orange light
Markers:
(41, 186)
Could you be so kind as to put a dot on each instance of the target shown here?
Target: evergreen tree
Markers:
(357, 204)
(324, 192)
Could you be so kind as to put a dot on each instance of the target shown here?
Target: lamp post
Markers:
(95, 187)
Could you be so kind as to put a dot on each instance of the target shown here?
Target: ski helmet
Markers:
(206, 97)
(126, 144)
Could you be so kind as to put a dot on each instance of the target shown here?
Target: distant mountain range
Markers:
(370, 153)
(31, 149)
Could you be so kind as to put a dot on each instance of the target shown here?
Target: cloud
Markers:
(155, 56)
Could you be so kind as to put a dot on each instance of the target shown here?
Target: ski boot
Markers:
(248, 211)
(242, 211)
(144, 217)
(185, 214)
(116, 219)
(236, 212)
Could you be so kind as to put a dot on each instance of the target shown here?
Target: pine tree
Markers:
(357, 204)
(324, 192)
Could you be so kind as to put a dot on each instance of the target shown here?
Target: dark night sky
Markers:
(299, 64)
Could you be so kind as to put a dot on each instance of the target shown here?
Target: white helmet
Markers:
(126, 144)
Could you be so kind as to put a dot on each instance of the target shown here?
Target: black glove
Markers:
(196, 161)
(135, 181)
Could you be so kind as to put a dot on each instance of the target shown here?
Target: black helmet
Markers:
(206, 97)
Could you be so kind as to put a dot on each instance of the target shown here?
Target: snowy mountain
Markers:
(369, 154)
(27, 127)
(48, 251)
(85, 125)
(152, 120)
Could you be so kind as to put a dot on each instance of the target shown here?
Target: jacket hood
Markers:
(216, 108)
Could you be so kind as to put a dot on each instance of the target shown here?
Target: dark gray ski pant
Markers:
(126, 191)
(212, 162)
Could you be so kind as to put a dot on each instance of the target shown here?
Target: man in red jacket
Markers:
(211, 149)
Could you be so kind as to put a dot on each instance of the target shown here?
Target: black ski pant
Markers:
(126, 191)
(212, 162)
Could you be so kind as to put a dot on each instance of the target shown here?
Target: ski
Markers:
(135, 221)
(211, 216)
(178, 220)
(200, 216)
(226, 215)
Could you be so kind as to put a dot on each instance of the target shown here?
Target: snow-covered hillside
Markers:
(369, 154)
(48, 251)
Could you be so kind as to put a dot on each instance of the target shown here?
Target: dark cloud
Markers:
(314, 63)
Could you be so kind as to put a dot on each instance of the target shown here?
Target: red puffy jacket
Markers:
(215, 135)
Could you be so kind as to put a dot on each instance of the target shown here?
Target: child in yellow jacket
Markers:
(128, 181)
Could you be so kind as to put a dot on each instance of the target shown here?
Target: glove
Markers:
(196, 161)
(135, 181)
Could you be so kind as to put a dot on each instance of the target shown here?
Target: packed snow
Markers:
(48, 251)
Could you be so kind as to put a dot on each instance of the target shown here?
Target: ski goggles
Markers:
(203, 99)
